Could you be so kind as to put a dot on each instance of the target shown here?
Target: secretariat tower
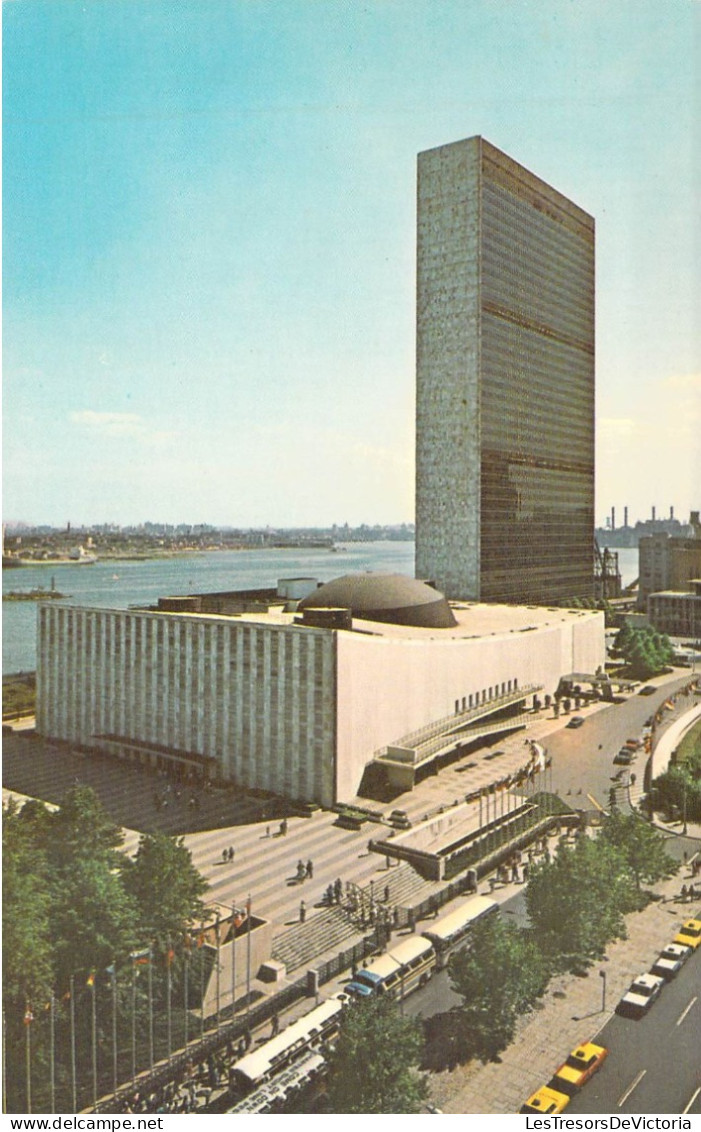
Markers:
(505, 381)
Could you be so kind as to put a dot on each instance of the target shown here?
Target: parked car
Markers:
(582, 1064)
(640, 995)
(624, 757)
(689, 934)
(545, 1100)
(576, 721)
(671, 960)
(648, 690)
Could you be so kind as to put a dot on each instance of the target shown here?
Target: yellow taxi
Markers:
(582, 1064)
(546, 1100)
(689, 934)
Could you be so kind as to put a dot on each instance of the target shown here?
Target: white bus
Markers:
(287, 1049)
(454, 929)
(398, 972)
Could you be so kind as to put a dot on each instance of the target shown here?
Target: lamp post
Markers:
(602, 975)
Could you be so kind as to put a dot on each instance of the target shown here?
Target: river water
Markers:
(117, 584)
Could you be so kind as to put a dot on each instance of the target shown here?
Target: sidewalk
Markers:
(571, 1013)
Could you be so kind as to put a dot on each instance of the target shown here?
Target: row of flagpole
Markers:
(144, 957)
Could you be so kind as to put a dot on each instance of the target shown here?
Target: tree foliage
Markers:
(644, 650)
(165, 886)
(577, 901)
(680, 784)
(74, 907)
(641, 846)
(499, 976)
(373, 1067)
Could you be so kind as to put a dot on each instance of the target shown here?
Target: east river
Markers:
(118, 584)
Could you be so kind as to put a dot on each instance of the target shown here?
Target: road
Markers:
(653, 1063)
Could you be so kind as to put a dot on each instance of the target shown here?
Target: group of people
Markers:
(228, 854)
(304, 871)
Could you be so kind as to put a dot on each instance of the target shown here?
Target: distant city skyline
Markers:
(210, 244)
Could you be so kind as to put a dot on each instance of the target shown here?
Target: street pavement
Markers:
(571, 1013)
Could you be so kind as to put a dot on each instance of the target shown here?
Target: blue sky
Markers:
(209, 234)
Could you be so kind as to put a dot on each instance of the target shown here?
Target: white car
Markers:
(640, 995)
(671, 960)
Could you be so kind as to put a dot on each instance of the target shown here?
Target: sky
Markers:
(209, 243)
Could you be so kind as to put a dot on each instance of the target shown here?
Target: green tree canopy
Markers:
(373, 1067)
(27, 954)
(165, 886)
(644, 650)
(577, 901)
(499, 976)
(642, 846)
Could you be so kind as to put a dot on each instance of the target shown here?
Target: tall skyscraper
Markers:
(505, 381)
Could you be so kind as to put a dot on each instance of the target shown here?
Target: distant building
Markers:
(667, 563)
(505, 381)
(299, 695)
(677, 614)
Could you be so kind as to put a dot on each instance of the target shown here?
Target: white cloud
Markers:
(127, 425)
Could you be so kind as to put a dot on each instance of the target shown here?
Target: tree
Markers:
(499, 976)
(27, 957)
(642, 846)
(644, 650)
(577, 901)
(165, 886)
(373, 1067)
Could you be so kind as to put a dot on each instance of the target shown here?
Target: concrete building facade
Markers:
(505, 381)
(265, 701)
(668, 563)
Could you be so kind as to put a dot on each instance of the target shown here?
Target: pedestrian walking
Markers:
(267, 831)
(302, 911)
(301, 870)
(283, 826)
(338, 889)
(274, 1026)
(310, 869)
(386, 894)
(231, 852)
(224, 855)
(524, 871)
(684, 893)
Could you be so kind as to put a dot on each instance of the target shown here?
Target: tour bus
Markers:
(288, 1050)
(273, 1096)
(398, 972)
(454, 929)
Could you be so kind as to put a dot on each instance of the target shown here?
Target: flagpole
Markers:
(150, 1007)
(133, 1023)
(201, 984)
(186, 997)
(233, 962)
(115, 1073)
(248, 956)
(218, 967)
(4, 1062)
(168, 991)
(94, 1045)
(28, 1055)
(52, 1065)
(73, 1075)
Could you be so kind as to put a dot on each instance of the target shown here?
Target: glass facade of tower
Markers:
(521, 380)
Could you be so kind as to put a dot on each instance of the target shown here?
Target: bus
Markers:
(278, 1092)
(287, 1050)
(454, 929)
(398, 972)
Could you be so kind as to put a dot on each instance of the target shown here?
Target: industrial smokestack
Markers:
(653, 514)
(625, 516)
(671, 512)
(613, 518)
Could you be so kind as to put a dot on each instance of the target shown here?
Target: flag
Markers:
(141, 958)
(90, 981)
(28, 1016)
(66, 997)
(170, 956)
